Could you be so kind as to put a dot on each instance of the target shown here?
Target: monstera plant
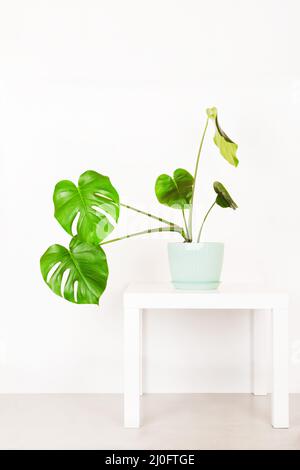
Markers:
(89, 212)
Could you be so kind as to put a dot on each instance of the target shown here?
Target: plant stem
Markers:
(185, 224)
(147, 214)
(195, 177)
(172, 224)
(144, 232)
(206, 215)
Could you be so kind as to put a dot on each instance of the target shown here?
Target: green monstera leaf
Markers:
(226, 146)
(223, 197)
(94, 199)
(175, 192)
(86, 269)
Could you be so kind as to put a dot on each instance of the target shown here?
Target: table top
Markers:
(239, 296)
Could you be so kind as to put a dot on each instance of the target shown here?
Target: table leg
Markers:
(141, 352)
(260, 350)
(132, 318)
(280, 393)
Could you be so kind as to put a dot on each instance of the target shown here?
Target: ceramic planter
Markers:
(196, 266)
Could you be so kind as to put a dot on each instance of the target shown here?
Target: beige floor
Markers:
(170, 422)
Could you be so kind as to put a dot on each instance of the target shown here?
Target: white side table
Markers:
(158, 296)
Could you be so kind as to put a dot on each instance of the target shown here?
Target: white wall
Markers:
(121, 87)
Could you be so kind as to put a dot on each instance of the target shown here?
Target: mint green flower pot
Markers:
(196, 266)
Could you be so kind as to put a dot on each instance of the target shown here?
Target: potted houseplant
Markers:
(89, 211)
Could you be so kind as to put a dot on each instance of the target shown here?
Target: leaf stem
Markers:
(185, 224)
(144, 232)
(172, 224)
(206, 215)
(195, 177)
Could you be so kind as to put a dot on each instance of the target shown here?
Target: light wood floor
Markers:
(169, 422)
